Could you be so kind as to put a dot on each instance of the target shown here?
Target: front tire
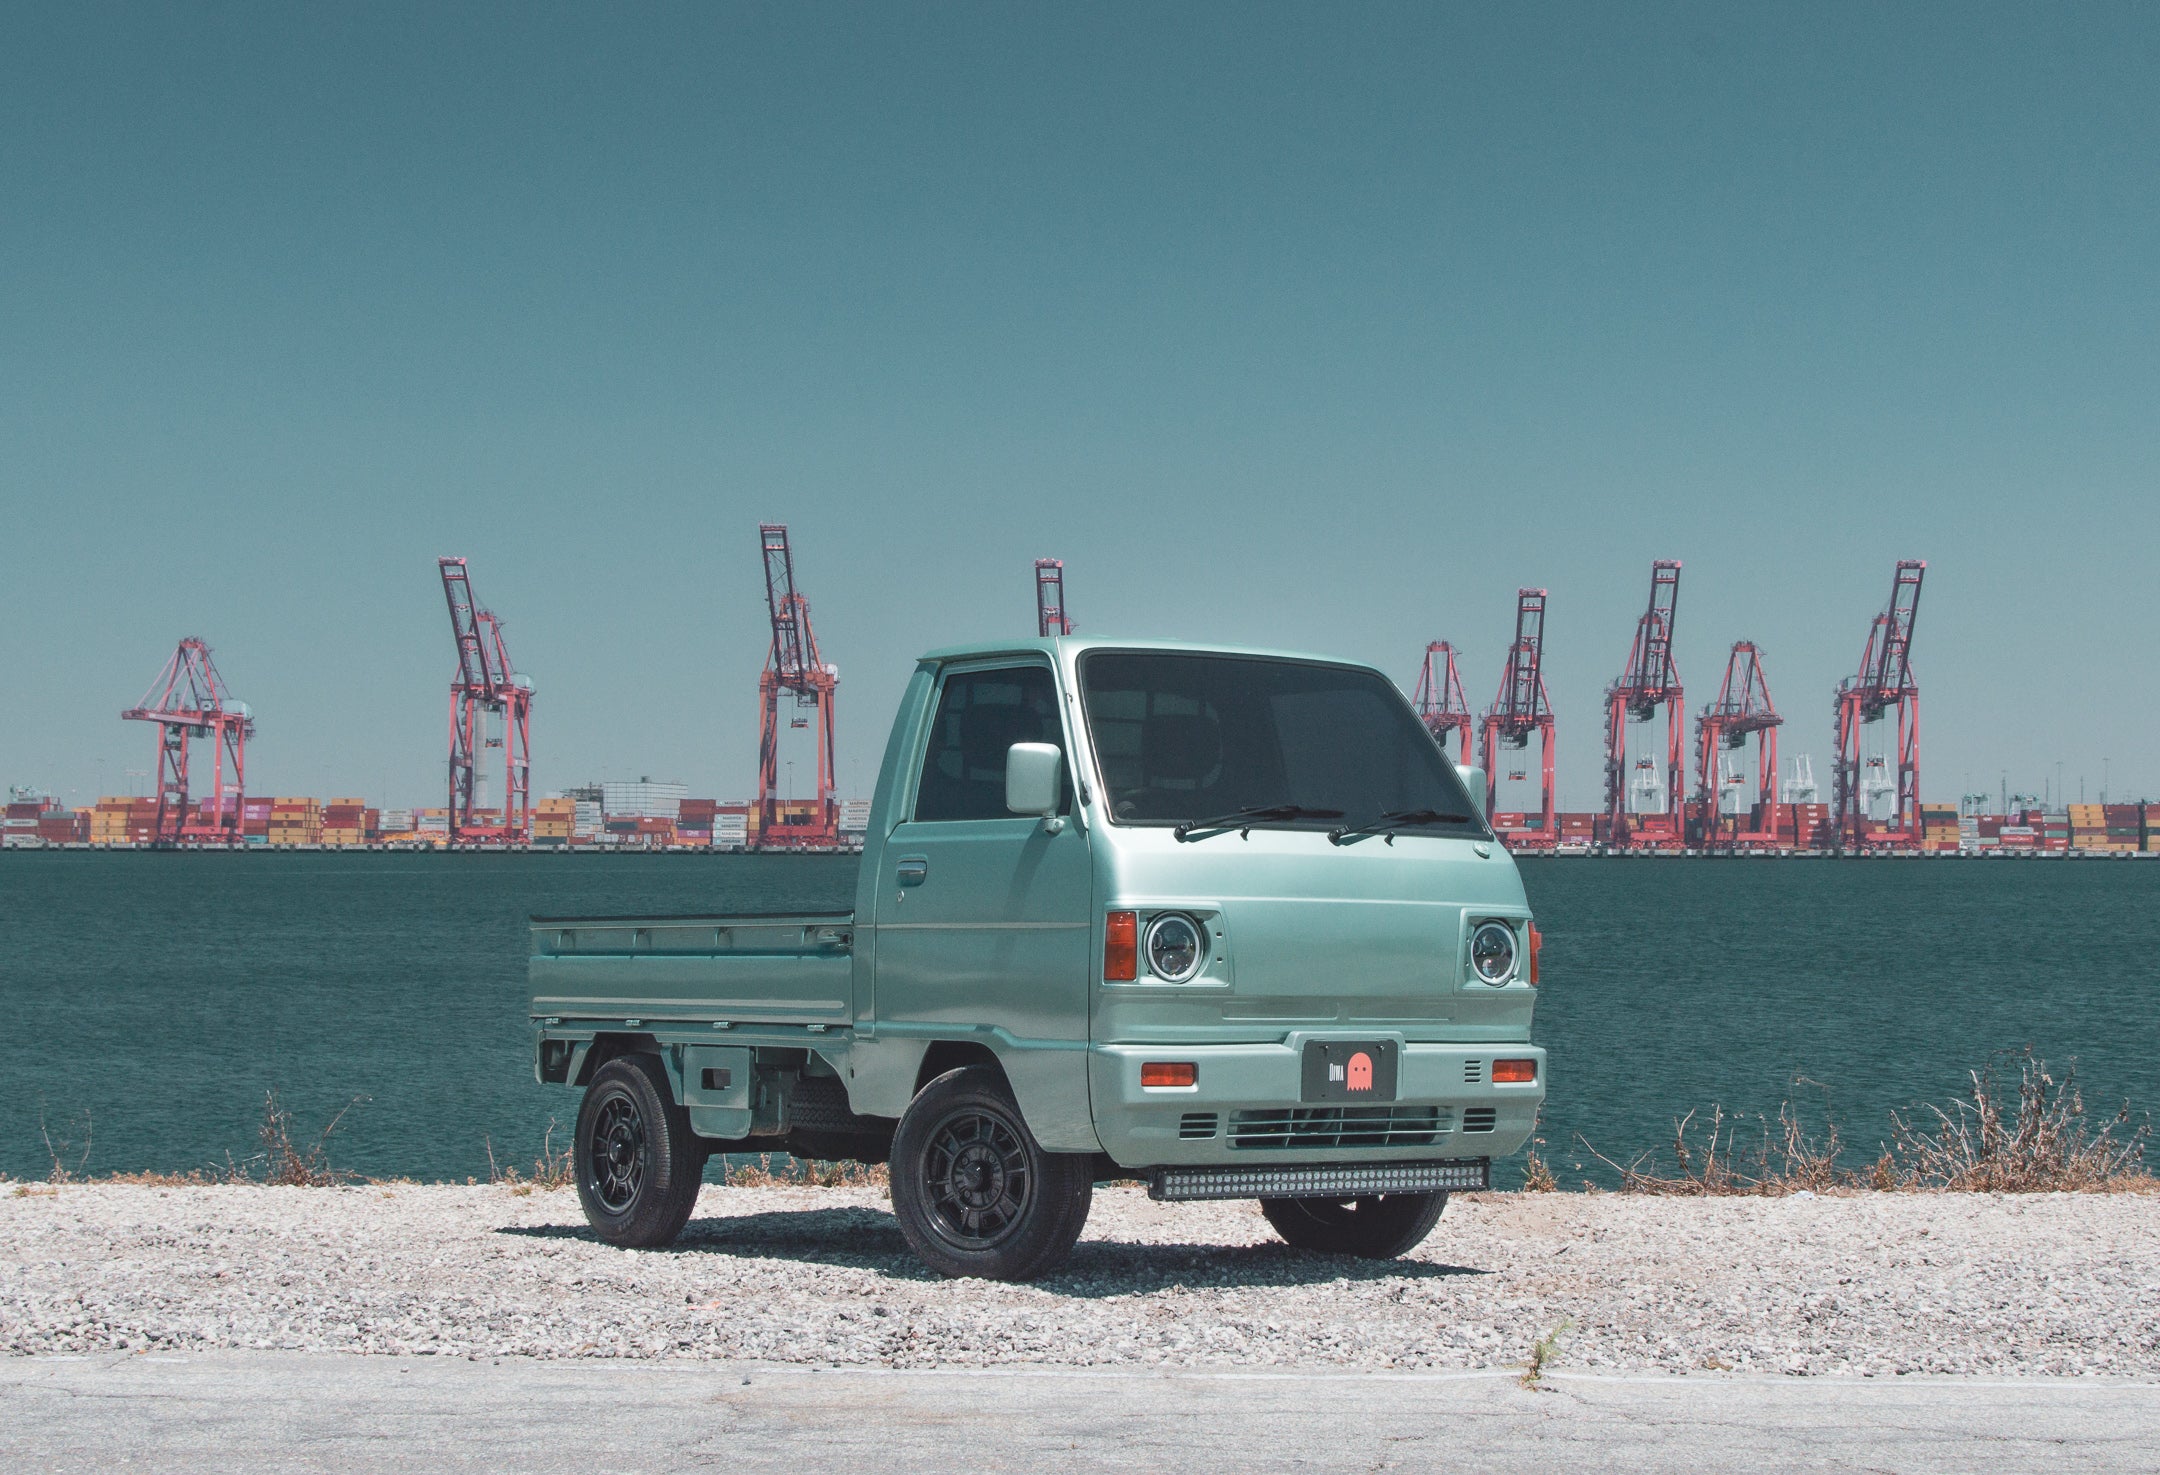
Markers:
(973, 1191)
(1379, 1227)
(638, 1164)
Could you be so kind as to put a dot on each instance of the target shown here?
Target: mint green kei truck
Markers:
(1225, 921)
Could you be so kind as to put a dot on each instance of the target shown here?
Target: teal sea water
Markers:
(150, 1000)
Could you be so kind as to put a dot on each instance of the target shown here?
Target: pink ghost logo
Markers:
(1361, 1072)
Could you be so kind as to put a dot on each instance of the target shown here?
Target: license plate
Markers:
(1350, 1070)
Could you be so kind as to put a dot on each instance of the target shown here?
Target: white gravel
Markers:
(1869, 1283)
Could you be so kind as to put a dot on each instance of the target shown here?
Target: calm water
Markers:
(163, 994)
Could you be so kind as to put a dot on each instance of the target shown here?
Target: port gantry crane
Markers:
(1743, 709)
(1521, 708)
(792, 666)
(1440, 703)
(1650, 681)
(1884, 683)
(189, 700)
(490, 707)
(1050, 616)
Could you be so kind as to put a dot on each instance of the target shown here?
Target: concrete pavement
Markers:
(306, 1412)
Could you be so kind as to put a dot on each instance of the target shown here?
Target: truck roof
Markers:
(1055, 645)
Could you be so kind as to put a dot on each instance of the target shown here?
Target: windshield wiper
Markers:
(1242, 820)
(1396, 819)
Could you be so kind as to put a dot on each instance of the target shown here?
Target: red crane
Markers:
(1521, 708)
(1050, 616)
(792, 665)
(1885, 682)
(1743, 709)
(189, 700)
(1439, 700)
(490, 707)
(1650, 681)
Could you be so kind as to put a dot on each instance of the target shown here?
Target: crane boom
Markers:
(465, 624)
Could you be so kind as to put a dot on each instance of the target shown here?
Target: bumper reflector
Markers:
(1514, 1072)
(1168, 1073)
(1332, 1180)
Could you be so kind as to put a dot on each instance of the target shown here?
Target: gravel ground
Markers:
(1870, 1283)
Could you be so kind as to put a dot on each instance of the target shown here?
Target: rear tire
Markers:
(1380, 1227)
(639, 1166)
(975, 1194)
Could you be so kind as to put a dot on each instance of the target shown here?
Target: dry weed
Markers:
(1537, 1173)
(61, 1150)
(550, 1171)
(2035, 1138)
(802, 1173)
(283, 1163)
(1717, 1162)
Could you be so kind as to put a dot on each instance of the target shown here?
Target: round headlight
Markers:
(1492, 952)
(1174, 946)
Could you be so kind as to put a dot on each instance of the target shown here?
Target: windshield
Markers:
(1190, 737)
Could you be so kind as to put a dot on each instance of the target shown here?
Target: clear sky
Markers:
(1320, 326)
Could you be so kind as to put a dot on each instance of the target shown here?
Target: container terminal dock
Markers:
(1721, 790)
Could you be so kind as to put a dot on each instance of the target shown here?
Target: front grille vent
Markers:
(1473, 1072)
(1316, 1127)
(1478, 1119)
(1196, 1126)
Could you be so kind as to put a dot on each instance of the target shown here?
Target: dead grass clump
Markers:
(2033, 1136)
(64, 1149)
(1717, 1161)
(1537, 1174)
(2030, 1136)
(805, 1173)
(550, 1171)
(286, 1164)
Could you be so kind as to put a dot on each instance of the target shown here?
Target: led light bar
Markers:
(1332, 1180)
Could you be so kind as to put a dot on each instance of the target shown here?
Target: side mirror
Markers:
(1473, 780)
(1032, 771)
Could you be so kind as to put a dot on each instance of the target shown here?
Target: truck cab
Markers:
(1225, 921)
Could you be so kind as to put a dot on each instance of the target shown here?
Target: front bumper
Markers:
(1245, 1108)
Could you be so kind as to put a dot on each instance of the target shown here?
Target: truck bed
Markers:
(753, 968)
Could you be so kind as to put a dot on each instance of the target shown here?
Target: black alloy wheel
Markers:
(973, 1191)
(978, 1176)
(638, 1164)
(617, 1153)
(1377, 1227)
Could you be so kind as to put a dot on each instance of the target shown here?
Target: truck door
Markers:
(983, 915)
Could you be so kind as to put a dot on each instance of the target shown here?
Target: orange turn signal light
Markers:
(1537, 941)
(1121, 946)
(1169, 1073)
(1514, 1072)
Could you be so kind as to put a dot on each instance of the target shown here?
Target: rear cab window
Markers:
(979, 715)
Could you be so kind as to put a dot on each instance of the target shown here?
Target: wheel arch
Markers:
(606, 1047)
(945, 1055)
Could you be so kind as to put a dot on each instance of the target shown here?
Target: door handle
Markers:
(914, 871)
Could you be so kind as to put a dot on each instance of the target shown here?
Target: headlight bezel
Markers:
(1512, 967)
(1155, 927)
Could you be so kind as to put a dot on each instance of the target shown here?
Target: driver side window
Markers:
(981, 714)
